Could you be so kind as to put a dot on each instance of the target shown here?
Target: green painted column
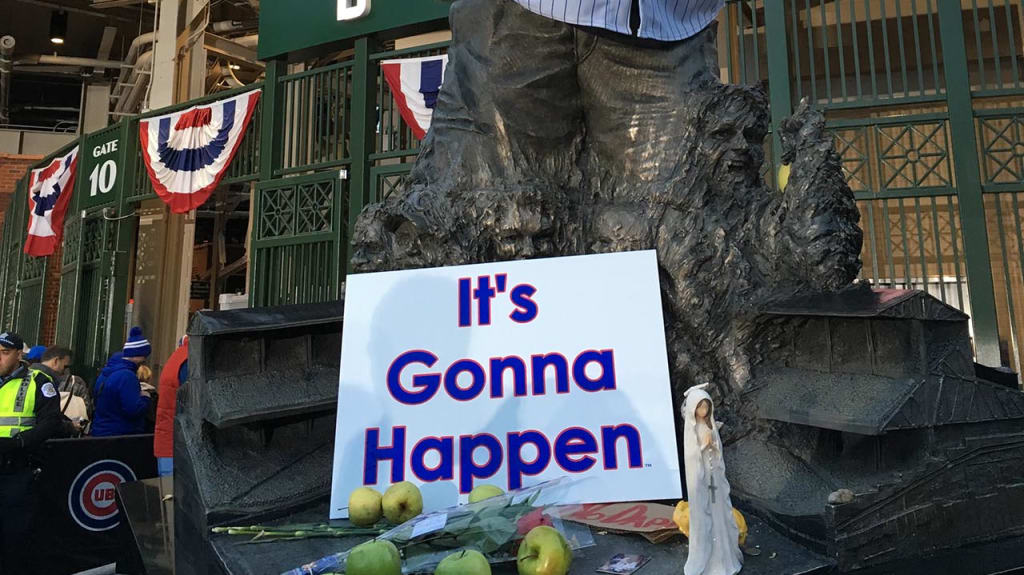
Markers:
(968, 183)
(364, 122)
(19, 230)
(779, 95)
(272, 125)
(271, 138)
(125, 228)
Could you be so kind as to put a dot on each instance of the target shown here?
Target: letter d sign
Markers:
(352, 9)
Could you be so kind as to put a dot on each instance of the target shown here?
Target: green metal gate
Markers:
(70, 271)
(92, 334)
(24, 277)
(299, 242)
(94, 261)
(31, 288)
(12, 257)
(923, 99)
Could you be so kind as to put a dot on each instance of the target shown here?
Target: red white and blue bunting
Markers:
(415, 84)
(49, 195)
(187, 153)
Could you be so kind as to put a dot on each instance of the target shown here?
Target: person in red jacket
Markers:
(173, 375)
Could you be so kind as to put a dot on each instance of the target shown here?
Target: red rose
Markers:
(532, 519)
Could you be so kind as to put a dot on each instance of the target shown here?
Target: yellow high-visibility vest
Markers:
(18, 402)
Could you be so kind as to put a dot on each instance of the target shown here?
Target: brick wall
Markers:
(51, 299)
(12, 168)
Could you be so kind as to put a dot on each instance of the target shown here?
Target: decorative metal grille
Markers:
(92, 240)
(852, 147)
(297, 210)
(389, 184)
(72, 241)
(913, 155)
(1001, 139)
(300, 248)
(32, 268)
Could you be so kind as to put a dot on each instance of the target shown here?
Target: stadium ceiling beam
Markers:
(83, 11)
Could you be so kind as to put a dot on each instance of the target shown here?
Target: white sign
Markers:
(507, 374)
(352, 9)
(104, 174)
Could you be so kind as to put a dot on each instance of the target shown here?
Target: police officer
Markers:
(29, 415)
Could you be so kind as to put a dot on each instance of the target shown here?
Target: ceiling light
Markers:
(58, 26)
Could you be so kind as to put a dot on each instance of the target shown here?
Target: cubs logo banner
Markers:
(81, 509)
(187, 153)
(91, 497)
(49, 195)
(415, 84)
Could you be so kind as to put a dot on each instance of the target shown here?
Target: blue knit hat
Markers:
(137, 345)
(36, 353)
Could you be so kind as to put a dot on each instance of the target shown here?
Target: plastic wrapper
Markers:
(493, 527)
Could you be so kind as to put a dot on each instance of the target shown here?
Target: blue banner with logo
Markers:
(79, 525)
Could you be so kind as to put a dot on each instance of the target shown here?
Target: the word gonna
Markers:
(466, 379)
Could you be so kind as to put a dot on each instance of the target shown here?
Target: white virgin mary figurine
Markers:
(714, 536)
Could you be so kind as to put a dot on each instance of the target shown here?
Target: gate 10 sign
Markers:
(507, 374)
(102, 162)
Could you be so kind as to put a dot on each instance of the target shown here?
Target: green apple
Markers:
(364, 507)
(482, 492)
(468, 562)
(544, 551)
(402, 501)
(375, 557)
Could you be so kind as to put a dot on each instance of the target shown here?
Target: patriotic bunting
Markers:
(49, 195)
(187, 153)
(415, 84)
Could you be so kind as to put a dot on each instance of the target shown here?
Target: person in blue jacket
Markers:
(121, 403)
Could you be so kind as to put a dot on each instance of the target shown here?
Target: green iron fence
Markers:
(10, 247)
(24, 277)
(920, 96)
(300, 240)
(67, 318)
(324, 172)
(994, 43)
(31, 288)
(317, 110)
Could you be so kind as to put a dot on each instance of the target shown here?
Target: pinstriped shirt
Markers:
(667, 20)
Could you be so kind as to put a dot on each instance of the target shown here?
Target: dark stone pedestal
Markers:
(779, 556)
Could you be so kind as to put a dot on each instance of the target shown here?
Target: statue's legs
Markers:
(522, 91)
(635, 94)
(509, 110)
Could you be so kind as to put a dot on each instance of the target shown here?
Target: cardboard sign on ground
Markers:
(652, 520)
